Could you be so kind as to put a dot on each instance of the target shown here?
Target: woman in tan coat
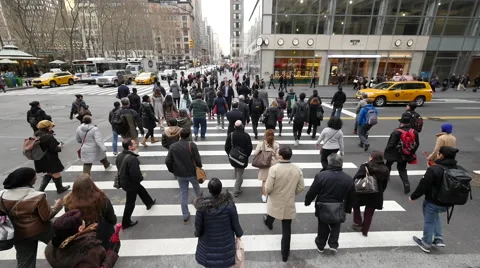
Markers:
(444, 138)
(267, 145)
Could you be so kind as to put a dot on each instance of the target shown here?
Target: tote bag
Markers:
(366, 185)
(263, 159)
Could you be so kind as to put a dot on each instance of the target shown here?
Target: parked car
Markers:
(53, 79)
(114, 78)
(146, 78)
(405, 91)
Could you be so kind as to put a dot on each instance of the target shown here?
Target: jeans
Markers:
(87, 167)
(115, 142)
(313, 127)
(149, 133)
(286, 234)
(130, 202)
(367, 218)
(336, 112)
(229, 102)
(271, 84)
(327, 232)
(432, 225)
(312, 84)
(402, 170)
(324, 153)
(297, 130)
(176, 101)
(26, 249)
(238, 179)
(221, 117)
(183, 183)
(362, 134)
(197, 123)
(255, 119)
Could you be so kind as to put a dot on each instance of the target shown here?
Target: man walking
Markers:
(291, 99)
(401, 148)
(367, 118)
(270, 83)
(257, 108)
(200, 111)
(292, 79)
(125, 122)
(130, 178)
(79, 108)
(333, 189)
(228, 93)
(243, 107)
(116, 106)
(416, 121)
(123, 91)
(313, 81)
(263, 95)
(284, 182)
(339, 98)
(360, 104)
(233, 116)
(241, 143)
(36, 114)
(135, 101)
(181, 160)
(299, 116)
(175, 90)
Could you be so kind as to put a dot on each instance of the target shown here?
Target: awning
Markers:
(13, 53)
(355, 56)
(7, 61)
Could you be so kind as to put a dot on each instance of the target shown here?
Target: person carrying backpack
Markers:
(125, 122)
(291, 99)
(439, 198)
(401, 148)
(257, 107)
(315, 113)
(417, 121)
(300, 117)
(36, 114)
(367, 118)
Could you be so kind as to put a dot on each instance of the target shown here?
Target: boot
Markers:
(59, 185)
(153, 140)
(144, 142)
(46, 179)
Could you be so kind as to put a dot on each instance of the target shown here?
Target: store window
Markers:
(407, 25)
(357, 25)
(237, 7)
(296, 24)
(411, 8)
(303, 68)
(341, 7)
(438, 26)
(456, 26)
(339, 22)
(389, 25)
(393, 6)
(360, 7)
(295, 6)
(392, 66)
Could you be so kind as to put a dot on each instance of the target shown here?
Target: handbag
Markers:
(367, 184)
(263, 159)
(236, 154)
(239, 253)
(199, 172)
(331, 213)
(215, 109)
(79, 151)
(7, 229)
(116, 180)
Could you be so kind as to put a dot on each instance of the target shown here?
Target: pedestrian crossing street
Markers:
(161, 232)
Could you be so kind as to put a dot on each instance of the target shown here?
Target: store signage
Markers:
(356, 43)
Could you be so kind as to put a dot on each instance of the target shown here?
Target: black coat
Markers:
(271, 117)
(216, 225)
(392, 151)
(179, 158)
(244, 90)
(131, 175)
(243, 107)
(38, 114)
(339, 98)
(148, 116)
(123, 92)
(232, 117)
(312, 113)
(50, 163)
(380, 172)
(241, 140)
(135, 102)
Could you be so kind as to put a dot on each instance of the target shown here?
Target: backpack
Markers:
(7, 229)
(257, 106)
(120, 123)
(32, 118)
(416, 122)
(301, 113)
(319, 114)
(455, 188)
(372, 117)
(407, 142)
(32, 149)
(293, 100)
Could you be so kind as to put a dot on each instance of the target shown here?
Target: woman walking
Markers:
(220, 105)
(332, 137)
(184, 121)
(315, 114)
(267, 145)
(149, 120)
(158, 99)
(92, 147)
(29, 212)
(282, 106)
(94, 205)
(185, 100)
(170, 111)
(216, 226)
(271, 116)
(376, 168)
(50, 163)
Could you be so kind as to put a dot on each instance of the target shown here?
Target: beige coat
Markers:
(443, 139)
(284, 182)
(261, 146)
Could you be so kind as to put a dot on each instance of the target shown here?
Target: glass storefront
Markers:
(350, 67)
(302, 63)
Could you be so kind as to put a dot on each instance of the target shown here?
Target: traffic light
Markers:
(192, 44)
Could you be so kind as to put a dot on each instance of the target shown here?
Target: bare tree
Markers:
(70, 18)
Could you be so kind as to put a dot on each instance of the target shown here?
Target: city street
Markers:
(162, 240)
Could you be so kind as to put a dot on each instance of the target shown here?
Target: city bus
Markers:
(86, 71)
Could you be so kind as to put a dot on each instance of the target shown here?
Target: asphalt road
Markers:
(163, 241)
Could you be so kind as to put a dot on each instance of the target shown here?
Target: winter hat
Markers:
(66, 226)
(447, 128)
(19, 178)
(412, 106)
(335, 160)
(34, 103)
(45, 124)
(448, 152)
(405, 119)
(79, 96)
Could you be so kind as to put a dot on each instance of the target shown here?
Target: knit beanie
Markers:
(66, 226)
(447, 128)
(19, 177)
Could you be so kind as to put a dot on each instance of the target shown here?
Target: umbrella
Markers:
(7, 61)
(57, 62)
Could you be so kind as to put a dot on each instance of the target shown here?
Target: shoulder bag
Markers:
(116, 180)
(366, 185)
(7, 229)
(331, 213)
(79, 151)
(236, 154)
(263, 159)
(200, 173)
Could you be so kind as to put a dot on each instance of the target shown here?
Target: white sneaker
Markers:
(296, 143)
(264, 198)
(218, 127)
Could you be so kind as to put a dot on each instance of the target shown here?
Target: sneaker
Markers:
(109, 167)
(218, 127)
(185, 221)
(296, 143)
(256, 136)
(223, 129)
(420, 244)
(203, 138)
(360, 145)
(115, 153)
(366, 147)
(196, 138)
(320, 250)
(264, 198)
(406, 188)
(333, 250)
(237, 194)
(357, 227)
(437, 242)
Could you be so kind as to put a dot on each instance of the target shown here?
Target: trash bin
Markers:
(19, 81)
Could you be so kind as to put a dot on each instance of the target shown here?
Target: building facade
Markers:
(237, 15)
(367, 38)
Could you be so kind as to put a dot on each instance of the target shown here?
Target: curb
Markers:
(16, 88)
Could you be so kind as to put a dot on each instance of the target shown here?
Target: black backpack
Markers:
(32, 118)
(120, 123)
(416, 122)
(257, 106)
(301, 113)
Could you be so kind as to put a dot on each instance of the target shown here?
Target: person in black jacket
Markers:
(130, 178)
(243, 142)
(256, 109)
(36, 114)
(393, 150)
(216, 226)
(134, 99)
(271, 116)
(245, 91)
(432, 207)
(134, 121)
(181, 160)
(243, 107)
(149, 121)
(233, 116)
(376, 168)
(314, 108)
(339, 98)
(123, 91)
(116, 106)
(331, 185)
(80, 108)
(228, 93)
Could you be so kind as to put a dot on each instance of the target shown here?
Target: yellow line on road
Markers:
(460, 117)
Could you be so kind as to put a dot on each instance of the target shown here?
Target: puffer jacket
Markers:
(170, 136)
(35, 115)
(216, 225)
(93, 149)
(148, 116)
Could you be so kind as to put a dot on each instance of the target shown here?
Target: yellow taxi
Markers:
(404, 91)
(53, 79)
(145, 78)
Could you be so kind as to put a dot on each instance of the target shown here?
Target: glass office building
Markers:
(363, 37)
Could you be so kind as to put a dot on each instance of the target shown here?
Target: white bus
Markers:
(86, 71)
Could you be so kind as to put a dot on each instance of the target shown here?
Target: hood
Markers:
(302, 104)
(172, 131)
(182, 120)
(442, 133)
(85, 127)
(213, 205)
(34, 109)
(449, 163)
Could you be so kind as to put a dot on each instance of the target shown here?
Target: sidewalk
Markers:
(17, 88)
